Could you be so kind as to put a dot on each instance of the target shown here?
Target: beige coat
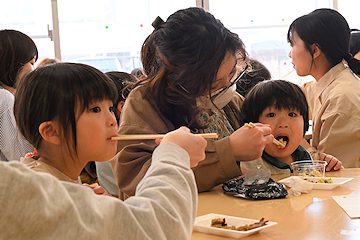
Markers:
(141, 116)
(335, 102)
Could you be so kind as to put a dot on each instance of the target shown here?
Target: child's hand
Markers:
(193, 144)
(97, 189)
(333, 162)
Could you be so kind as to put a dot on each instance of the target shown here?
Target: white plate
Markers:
(337, 181)
(203, 224)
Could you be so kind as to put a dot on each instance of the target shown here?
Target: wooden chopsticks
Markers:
(154, 136)
(279, 144)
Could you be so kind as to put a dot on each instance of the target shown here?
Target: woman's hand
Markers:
(248, 143)
(195, 145)
(333, 162)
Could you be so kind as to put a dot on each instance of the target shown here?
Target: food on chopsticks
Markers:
(221, 223)
(250, 125)
(321, 180)
(279, 143)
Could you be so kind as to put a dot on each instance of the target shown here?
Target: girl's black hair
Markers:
(16, 49)
(58, 92)
(329, 30)
(279, 93)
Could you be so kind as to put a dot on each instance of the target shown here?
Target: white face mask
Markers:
(220, 101)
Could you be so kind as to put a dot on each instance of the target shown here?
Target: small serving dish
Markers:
(203, 224)
(336, 182)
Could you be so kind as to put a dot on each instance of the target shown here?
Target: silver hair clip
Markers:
(183, 88)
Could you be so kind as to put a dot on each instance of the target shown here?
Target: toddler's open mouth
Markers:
(282, 139)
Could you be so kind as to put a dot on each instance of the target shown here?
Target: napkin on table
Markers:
(299, 186)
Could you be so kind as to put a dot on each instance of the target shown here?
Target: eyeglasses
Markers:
(231, 84)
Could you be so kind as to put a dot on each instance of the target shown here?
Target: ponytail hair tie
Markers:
(348, 57)
(157, 23)
(353, 63)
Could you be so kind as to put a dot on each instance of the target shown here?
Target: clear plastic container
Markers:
(309, 168)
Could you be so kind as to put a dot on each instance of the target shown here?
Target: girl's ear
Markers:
(316, 50)
(120, 106)
(49, 131)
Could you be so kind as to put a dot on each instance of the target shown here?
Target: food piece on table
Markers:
(221, 223)
(321, 180)
(218, 222)
(260, 223)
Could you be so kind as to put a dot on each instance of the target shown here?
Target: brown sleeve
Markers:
(218, 166)
(130, 165)
(134, 157)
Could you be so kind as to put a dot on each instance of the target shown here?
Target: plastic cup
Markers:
(309, 168)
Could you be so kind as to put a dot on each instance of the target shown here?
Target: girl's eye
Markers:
(292, 114)
(270, 115)
(111, 109)
(95, 109)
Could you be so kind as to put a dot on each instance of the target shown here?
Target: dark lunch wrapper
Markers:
(269, 190)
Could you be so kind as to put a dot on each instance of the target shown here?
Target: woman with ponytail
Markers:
(191, 64)
(320, 43)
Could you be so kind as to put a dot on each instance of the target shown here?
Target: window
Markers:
(109, 34)
(262, 25)
(349, 9)
(31, 18)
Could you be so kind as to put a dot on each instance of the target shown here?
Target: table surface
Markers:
(314, 215)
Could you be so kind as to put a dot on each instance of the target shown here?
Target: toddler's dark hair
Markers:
(281, 93)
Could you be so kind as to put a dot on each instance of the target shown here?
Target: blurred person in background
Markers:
(46, 61)
(18, 54)
(258, 73)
